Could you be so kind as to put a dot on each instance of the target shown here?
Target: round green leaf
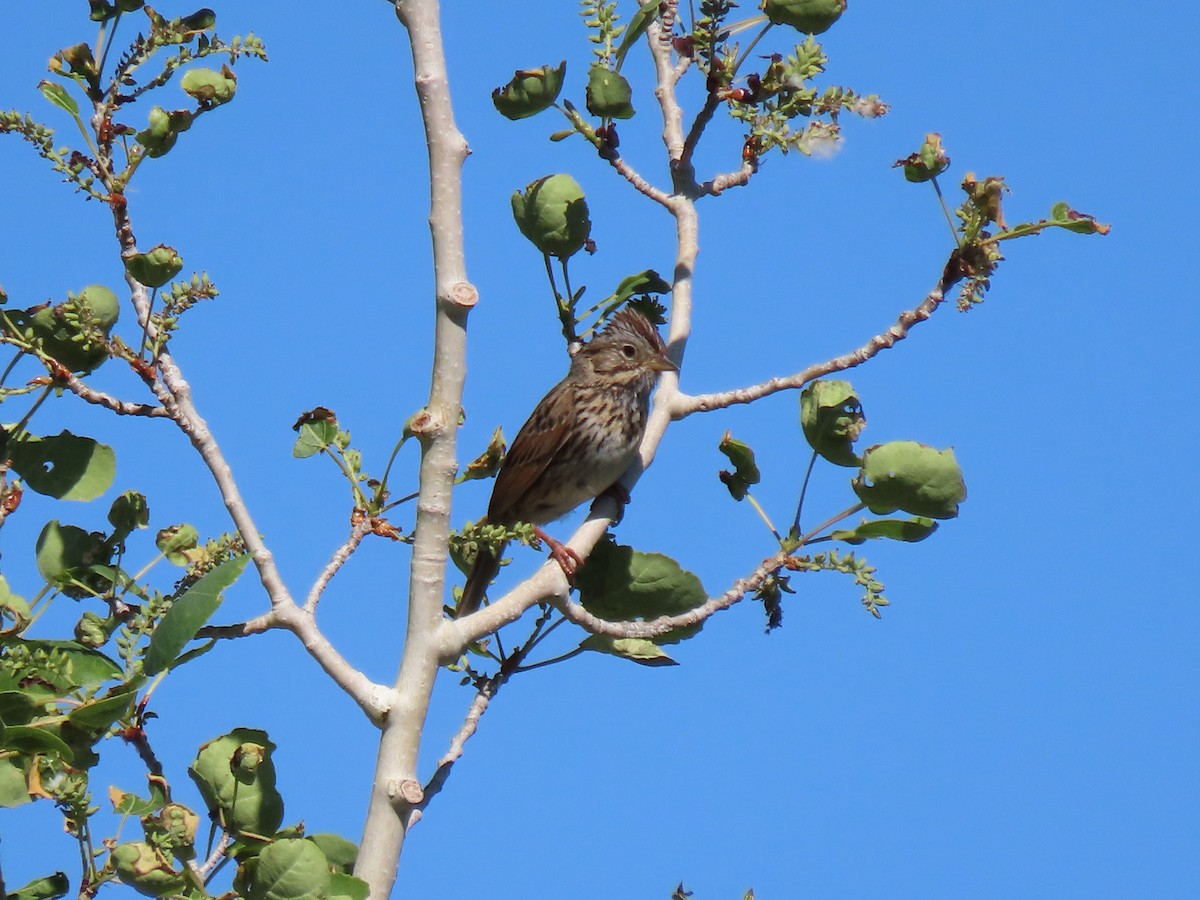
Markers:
(906, 475)
(62, 548)
(553, 214)
(291, 869)
(621, 584)
(241, 800)
(340, 852)
(608, 94)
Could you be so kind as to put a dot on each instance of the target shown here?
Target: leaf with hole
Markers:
(65, 466)
(832, 419)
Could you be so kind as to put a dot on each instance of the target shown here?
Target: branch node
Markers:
(463, 295)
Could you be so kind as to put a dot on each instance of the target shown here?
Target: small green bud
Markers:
(162, 130)
(808, 16)
(608, 94)
(530, 91)
(102, 304)
(553, 214)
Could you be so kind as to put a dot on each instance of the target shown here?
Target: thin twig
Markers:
(683, 405)
(357, 533)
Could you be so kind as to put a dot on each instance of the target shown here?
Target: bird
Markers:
(577, 442)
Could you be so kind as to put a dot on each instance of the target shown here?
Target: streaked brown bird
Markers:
(578, 442)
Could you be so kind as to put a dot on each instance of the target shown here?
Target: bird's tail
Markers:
(483, 570)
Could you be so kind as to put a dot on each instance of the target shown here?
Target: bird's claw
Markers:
(568, 560)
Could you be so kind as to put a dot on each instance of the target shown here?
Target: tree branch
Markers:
(120, 407)
(357, 533)
(396, 792)
(683, 405)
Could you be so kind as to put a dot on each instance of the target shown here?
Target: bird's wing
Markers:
(535, 445)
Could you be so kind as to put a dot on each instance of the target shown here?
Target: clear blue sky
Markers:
(1020, 723)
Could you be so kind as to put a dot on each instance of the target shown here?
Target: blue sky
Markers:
(1020, 721)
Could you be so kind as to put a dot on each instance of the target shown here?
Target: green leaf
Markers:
(14, 789)
(174, 540)
(343, 886)
(291, 869)
(1063, 216)
(236, 778)
(553, 214)
(189, 613)
(608, 93)
(746, 469)
(910, 530)
(156, 266)
(210, 86)
(28, 739)
(63, 548)
(639, 650)
(529, 91)
(927, 163)
(314, 437)
(146, 870)
(487, 463)
(65, 466)
(87, 668)
(340, 852)
(637, 27)
(808, 16)
(906, 475)
(48, 888)
(13, 609)
(99, 715)
(832, 419)
(58, 95)
(128, 512)
(621, 584)
(128, 804)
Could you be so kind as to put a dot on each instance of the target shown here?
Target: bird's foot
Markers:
(568, 560)
(620, 496)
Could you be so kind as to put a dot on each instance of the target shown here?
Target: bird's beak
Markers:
(660, 363)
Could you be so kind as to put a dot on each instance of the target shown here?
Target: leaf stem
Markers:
(946, 211)
(551, 661)
(795, 532)
(762, 514)
(758, 37)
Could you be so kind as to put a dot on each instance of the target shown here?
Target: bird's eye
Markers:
(629, 350)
